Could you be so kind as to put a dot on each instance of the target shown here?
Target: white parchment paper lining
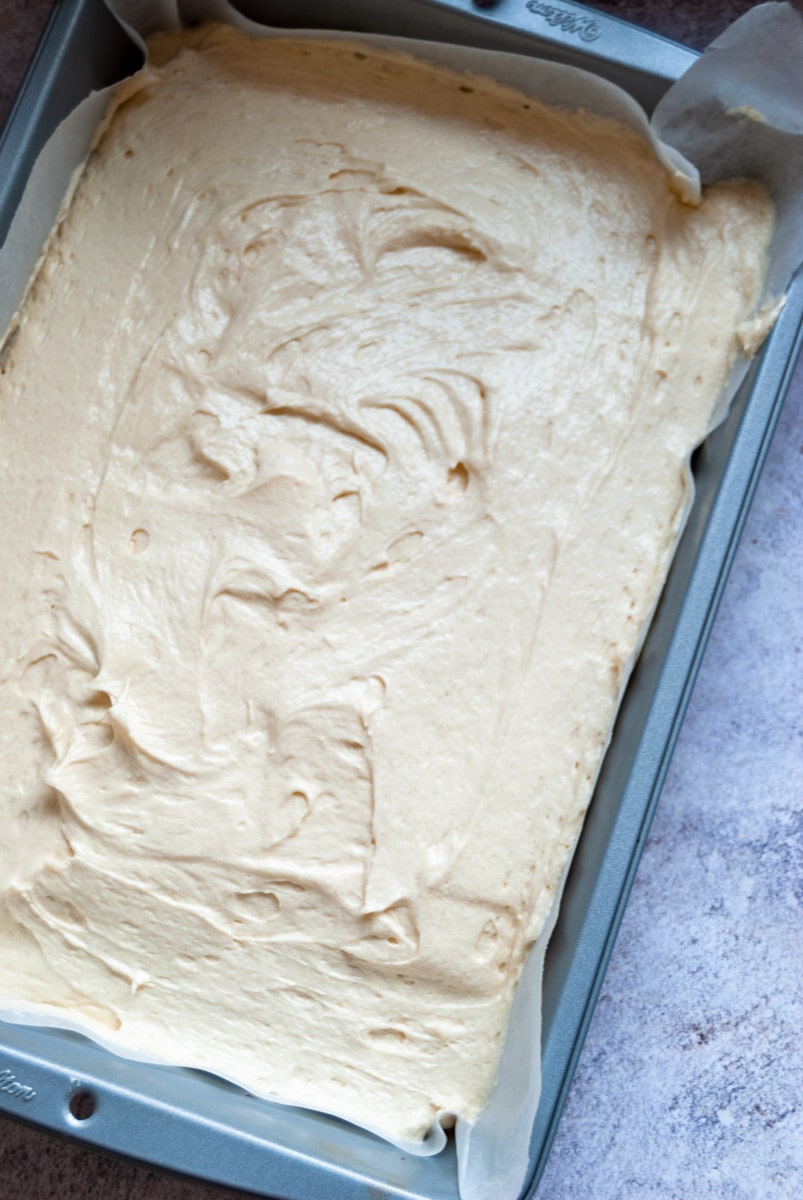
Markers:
(737, 112)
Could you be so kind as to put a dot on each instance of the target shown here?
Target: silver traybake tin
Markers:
(190, 1122)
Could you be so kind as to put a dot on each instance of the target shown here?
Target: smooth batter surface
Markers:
(343, 453)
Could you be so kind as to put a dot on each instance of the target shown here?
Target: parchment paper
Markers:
(737, 112)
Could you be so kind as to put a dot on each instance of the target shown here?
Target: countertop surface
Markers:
(690, 1083)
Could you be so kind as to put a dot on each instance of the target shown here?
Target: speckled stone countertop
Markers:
(690, 1084)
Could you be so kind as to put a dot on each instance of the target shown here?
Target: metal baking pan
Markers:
(188, 1122)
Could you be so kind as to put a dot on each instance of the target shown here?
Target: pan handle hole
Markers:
(82, 1104)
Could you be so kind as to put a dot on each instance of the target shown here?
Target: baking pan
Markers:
(190, 1122)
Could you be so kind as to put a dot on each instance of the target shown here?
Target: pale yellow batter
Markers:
(343, 453)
